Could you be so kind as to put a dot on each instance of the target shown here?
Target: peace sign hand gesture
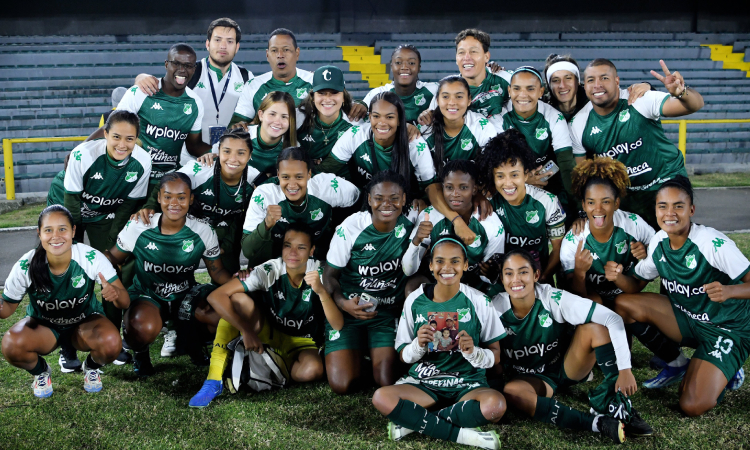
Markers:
(674, 82)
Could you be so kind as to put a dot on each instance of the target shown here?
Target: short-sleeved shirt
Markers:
(706, 256)
(293, 310)
(256, 90)
(474, 314)
(165, 264)
(103, 183)
(489, 97)
(370, 261)
(628, 228)
(320, 138)
(166, 122)
(72, 297)
(414, 104)
(633, 135)
(469, 142)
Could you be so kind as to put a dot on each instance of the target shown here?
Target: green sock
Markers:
(414, 417)
(41, 366)
(466, 414)
(603, 398)
(548, 410)
(654, 340)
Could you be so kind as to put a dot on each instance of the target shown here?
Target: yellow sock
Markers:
(224, 335)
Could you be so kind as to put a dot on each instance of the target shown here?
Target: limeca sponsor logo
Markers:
(167, 289)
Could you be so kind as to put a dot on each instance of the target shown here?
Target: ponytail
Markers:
(38, 267)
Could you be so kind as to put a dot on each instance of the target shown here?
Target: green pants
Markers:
(642, 203)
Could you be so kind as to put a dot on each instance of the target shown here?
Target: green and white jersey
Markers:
(256, 90)
(415, 103)
(263, 156)
(293, 310)
(166, 122)
(470, 311)
(489, 240)
(320, 139)
(489, 97)
(325, 191)
(357, 144)
(56, 194)
(103, 183)
(531, 223)
(633, 135)
(536, 343)
(468, 143)
(72, 297)
(629, 228)
(706, 256)
(165, 264)
(370, 261)
(222, 207)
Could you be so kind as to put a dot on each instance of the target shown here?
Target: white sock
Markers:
(481, 439)
(595, 424)
(680, 361)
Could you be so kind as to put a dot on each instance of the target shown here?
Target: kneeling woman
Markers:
(576, 334)
(166, 252)
(455, 378)
(59, 276)
(281, 304)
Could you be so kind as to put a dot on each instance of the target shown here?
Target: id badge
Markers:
(215, 133)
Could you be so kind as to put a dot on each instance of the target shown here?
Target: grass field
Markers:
(25, 216)
(131, 413)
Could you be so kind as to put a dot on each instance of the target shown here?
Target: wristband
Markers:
(413, 352)
(481, 358)
(684, 93)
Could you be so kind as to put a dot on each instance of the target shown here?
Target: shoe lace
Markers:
(92, 376)
(41, 379)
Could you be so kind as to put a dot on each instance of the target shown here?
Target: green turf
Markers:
(26, 215)
(130, 413)
(721, 179)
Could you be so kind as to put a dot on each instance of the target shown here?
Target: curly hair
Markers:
(605, 171)
(508, 147)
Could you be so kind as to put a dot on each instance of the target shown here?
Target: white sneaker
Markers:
(482, 439)
(396, 432)
(170, 341)
(92, 381)
(42, 385)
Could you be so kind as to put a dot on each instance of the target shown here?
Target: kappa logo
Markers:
(308, 138)
(267, 268)
(187, 109)
(532, 216)
(333, 335)
(420, 147)
(556, 296)
(238, 85)
(134, 89)
(594, 131)
(464, 315)
(196, 168)
(483, 123)
(366, 157)
(280, 295)
(633, 217)
(624, 116)
(718, 242)
(131, 177)
(208, 192)
(622, 247)
(90, 256)
(544, 320)
(306, 294)
(444, 232)
(570, 237)
(341, 133)
(301, 93)
(316, 215)
(419, 100)
(594, 256)
(78, 281)
(400, 231)
(200, 85)
(510, 331)
(368, 247)
(541, 133)
(152, 246)
(560, 117)
(157, 106)
(340, 232)
(24, 264)
(690, 261)
(420, 318)
(335, 185)
(662, 259)
(187, 245)
(222, 224)
(97, 176)
(477, 242)
(259, 200)
(466, 144)
(77, 155)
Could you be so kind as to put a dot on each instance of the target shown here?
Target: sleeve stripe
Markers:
(591, 312)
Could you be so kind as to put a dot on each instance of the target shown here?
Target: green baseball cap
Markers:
(328, 77)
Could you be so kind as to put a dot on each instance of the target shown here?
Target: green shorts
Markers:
(445, 395)
(363, 334)
(725, 349)
(556, 378)
(183, 309)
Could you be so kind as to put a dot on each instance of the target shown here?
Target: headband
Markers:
(448, 239)
(563, 65)
(530, 70)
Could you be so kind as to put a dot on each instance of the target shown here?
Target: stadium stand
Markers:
(60, 85)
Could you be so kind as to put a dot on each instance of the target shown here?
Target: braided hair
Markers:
(604, 171)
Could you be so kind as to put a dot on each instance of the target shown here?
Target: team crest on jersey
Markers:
(187, 245)
(316, 215)
(690, 261)
(187, 109)
(333, 335)
(495, 87)
(238, 199)
(238, 86)
(624, 116)
(541, 133)
(419, 100)
(477, 241)
(532, 216)
(306, 295)
(464, 314)
(301, 93)
(131, 176)
(78, 281)
(622, 247)
(400, 231)
(466, 144)
(544, 320)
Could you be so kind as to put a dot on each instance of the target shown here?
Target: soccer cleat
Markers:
(68, 360)
(170, 341)
(656, 363)
(737, 380)
(42, 384)
(482, 439)
(123, 358)
(142, 364)
(637, 426)
(209, 391)
(612, 428)
(667, 377)
(397, 432)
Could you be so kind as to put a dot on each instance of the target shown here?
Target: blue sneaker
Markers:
(737, 380)
(667, 377)
(210, 390)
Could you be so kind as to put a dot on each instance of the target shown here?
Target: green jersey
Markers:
(537, 342)
(166, 122)
(633, 135)
(165, 264)
(468, 143)
(320, 138)
(470, 311)
(263, 157)
(71, 298)
(56, 194)
(103, 183)
(489, 97)
(256, 90)
(415, 103)
(370, 261)
(293, 310)
(489, 240)
(629, 228)
(705, 257)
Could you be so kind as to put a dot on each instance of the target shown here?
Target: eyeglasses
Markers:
(186, 66)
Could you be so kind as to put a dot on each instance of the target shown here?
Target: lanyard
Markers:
(213, 92)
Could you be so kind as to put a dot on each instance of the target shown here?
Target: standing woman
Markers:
(453, 378)
(365, 278)
(59, 276)
(416, 95)
(456, 132)
(531, 216)
(167, 251)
